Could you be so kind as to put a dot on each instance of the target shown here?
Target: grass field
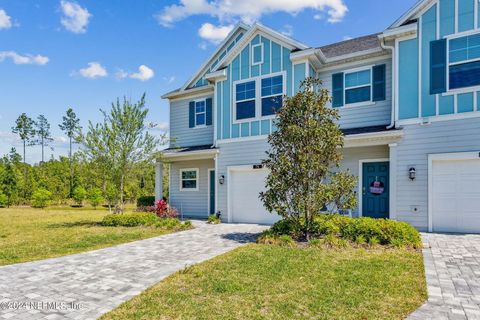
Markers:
(28, 234)
(271, 282)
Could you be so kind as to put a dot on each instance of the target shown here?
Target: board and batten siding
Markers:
(180, 133)
(378, 113)
(413, 150)
(190, 203)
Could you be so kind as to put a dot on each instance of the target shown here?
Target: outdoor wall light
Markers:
(221, 180)
(412, 172)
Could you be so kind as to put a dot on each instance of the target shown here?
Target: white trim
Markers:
(217, 185)
(456, 16)
(209, 190)
(242, 139)
(475, 155)
(199, 113)
(446, 117)
(197, 179)
(393, 153)
(420, 66)
(262, 51)
(188, 94)
(192, 155)
(360, 181)
(362, 103)
(170, 183)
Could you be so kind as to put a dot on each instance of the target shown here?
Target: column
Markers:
(158, 180)
(393, 181)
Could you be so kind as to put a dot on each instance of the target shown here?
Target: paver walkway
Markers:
(452, 264)
(87, 285)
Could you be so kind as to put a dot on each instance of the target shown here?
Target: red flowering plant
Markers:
(163, 210)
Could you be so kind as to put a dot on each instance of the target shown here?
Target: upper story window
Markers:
(358, 86)
(464, 62)
(257, 54)
(200, 113)
(258, 98)
(188, 179)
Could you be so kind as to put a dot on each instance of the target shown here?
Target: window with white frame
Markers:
(200, 113)
(272, 95)
(257, 54)
(188, 179)
(358, 86)
(245, 95)
(464, 62)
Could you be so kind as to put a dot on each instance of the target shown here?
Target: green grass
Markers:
(271, 282)
(28, 234)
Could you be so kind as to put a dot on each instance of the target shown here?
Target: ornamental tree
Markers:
(306, 150)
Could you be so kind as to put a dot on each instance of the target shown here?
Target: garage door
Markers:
(246, 206)
(456, 196)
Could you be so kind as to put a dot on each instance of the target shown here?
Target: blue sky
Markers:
(83, 54)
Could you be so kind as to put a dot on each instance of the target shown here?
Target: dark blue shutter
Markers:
(191, 115)
(379, 83)
(438, 66)
(209, 111)
(337, 90)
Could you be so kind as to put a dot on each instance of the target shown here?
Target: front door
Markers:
(211, 192)
(375, 189)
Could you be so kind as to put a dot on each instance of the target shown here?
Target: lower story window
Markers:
(188, 179)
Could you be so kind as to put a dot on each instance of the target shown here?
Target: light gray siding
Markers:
(378, 113)
(180, 133)
(236, 154)
(190, 203)
(418, 142)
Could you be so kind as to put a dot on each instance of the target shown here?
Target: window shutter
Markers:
(438, 66)
(209, 111)
(379, 83)
(191, 116)
(337, 90)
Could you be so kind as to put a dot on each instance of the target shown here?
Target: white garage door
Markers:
(456, 196)
(246, 206)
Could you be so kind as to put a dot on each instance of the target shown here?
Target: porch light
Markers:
(412, 172)
(221, 180)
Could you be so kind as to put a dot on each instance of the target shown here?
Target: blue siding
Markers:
(299, 76)
(255, 70)
(245, 57)
(446, 105)
(466, 9)
(465, 102)
(276, 57)
(266, 56)
(235, 131)
(447, 14)
(478, 100)
(236, 69)
(255, 128)
(245, 129)
(265, 127)
(408, 79)
(429, 33)
(226, 106)
(287, 66)
(219, 110)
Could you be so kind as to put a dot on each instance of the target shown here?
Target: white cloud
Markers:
(5, 20)
(144, 73)
(202, 45)
(287, 30)
(170, 79)
(345, 38)
(248, 10)
(121, 74)
(214, 34)
(93, 71)
(23, 59)
(9, 137)
(162, 126)
(318, 17)
(75, 18)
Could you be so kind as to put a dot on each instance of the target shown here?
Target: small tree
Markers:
(306, 150)
(95, 197)
(44, 136)
(3, 200)
(71, 126)
(79, 194)
(41, 198)
(9, 181)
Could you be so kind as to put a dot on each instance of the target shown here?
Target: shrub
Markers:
(214, 219)
(79, 194)
(41, 198)
(163, 210)
(130, 219)
(3, 200)
(95, 197)
(146, 201)
(187, 224)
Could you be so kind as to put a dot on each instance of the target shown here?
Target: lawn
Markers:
(28, 234)
(272, 282)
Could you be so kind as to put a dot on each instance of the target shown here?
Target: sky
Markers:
(56, 54)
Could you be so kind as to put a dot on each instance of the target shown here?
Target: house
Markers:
(409, 99)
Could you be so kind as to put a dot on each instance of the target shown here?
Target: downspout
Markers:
(392, 49)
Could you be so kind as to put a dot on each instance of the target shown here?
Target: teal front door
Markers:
(376, 189)
(211, 192)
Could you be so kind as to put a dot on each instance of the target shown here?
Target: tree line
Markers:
(113, 164)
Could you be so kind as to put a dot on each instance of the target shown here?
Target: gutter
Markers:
(392, 49)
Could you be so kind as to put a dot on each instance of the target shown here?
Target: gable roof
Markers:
(407, 16)
(365, 43)
(239, 26)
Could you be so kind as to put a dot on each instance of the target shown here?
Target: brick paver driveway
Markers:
(452, 264)
(86, 285)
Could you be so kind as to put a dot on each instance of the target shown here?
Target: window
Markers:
(464, 62)
(200, 113)
(272, 95)
(188, 179)
(245, 100)
(257, 54)
(358, 86)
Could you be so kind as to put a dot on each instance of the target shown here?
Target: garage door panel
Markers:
(456, 196)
